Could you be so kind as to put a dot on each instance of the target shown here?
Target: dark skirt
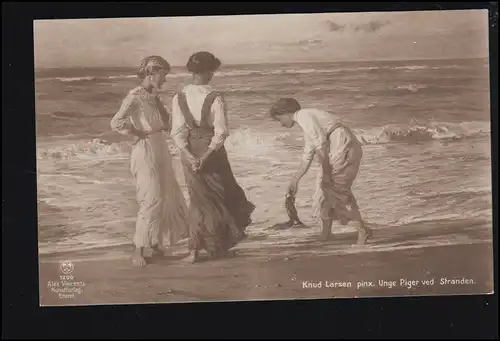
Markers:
(219, 211)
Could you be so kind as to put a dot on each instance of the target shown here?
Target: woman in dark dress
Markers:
(219, 211)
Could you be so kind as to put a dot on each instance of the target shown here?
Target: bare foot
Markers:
(192, 258)
(229, 254)
(138, 260)
(364, 235)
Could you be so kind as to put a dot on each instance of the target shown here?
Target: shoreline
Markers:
(277, 270)
(425, 233)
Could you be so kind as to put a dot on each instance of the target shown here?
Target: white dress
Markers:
(162, 212)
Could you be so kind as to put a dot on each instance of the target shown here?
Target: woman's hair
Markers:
(203, 61)
(151, 64)
(284, 106)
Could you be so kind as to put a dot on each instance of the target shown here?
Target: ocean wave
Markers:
(231, 73)
(410, 87)
(92, 78)
(411, 67)
(453, 195)
(76, 79)
(67, 115)
(249, 138)
(248, 141)
(415, 132)
(100, 148)
(239, 73)
(85, 149)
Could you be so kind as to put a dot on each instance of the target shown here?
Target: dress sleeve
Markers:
(317, 134)
(166, 117)
(309, 149)
(121, 120)
(221, 126)
(179, 132)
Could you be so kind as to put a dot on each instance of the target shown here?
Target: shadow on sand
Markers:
(413, 234)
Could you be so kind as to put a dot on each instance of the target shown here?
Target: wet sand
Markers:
(418, 259)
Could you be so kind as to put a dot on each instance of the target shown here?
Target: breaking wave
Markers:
(423, 132)
(99, 148)
(248, 140)
(85, 150)
(410, 87)
(76, 79)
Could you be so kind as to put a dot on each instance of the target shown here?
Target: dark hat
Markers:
(284, 106)
(203, 61)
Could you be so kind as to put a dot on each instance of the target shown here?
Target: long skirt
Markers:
(219, 211)
(162, 217)
(336, 200)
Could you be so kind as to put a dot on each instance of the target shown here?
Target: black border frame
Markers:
(440, 317)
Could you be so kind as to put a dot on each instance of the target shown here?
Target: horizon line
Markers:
(274, 63)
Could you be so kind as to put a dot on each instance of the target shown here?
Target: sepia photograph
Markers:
(263, 157)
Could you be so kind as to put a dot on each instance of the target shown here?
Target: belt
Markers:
(338, 125)
(333, 128)
(148, 134)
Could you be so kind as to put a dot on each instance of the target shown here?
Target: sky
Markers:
(326, 37)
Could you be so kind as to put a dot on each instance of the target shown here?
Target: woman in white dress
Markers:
(219, 211)
(339, 153)
(162, 208)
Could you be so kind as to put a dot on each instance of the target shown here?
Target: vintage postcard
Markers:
(263, 157)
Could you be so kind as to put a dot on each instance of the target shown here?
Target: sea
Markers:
(425, 127)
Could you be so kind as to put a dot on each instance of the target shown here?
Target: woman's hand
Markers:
(201, 163)
(137, 134)
(204, 158)
(326, 181)
(191, 159)
(293, 187)
(303, 168)
(194, 162)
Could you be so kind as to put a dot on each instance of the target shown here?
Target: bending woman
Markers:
(339, 153)
(162, 206)
(219, 210)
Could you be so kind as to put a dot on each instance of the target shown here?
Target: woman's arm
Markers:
(180, 132)
(164, 114)
(221, 127)
(314, 144)
(121, 120)
(305, 164)
(307, 159)
(324, 160)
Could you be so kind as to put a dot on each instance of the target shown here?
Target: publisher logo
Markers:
(66, 267)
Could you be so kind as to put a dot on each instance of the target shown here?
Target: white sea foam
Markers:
(239, 73)
(251, 140)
